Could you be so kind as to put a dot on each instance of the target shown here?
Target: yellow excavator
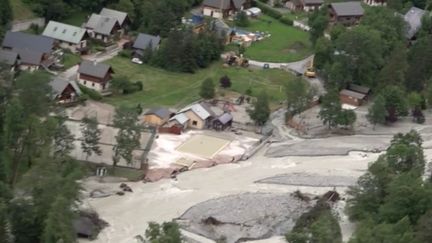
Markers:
(310, 71)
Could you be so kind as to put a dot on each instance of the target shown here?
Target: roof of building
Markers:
(359, 89)
(414, 20)
(348, 9)
(313, 2)
(64, 32)
(58, 85)
(95, 69)
(225, 118)
(118, 15)
(101, 24)
(353, 94)
(8, 57)
(22, 40)
(28, 56)
(162, 113)
(223, 4)
(200, 109)
(181, 118)
(143, 41)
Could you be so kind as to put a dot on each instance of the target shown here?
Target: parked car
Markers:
(137, 60)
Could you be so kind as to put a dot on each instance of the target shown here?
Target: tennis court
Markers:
(203, 145)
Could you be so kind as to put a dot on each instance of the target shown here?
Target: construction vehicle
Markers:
(310, 71)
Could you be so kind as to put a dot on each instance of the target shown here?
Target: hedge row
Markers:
(273, 13)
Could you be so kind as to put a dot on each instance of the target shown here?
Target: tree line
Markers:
(5, 16)
(153, 17)
(38, 179)
(392, 201)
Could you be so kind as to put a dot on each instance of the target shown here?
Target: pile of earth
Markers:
(242, 217)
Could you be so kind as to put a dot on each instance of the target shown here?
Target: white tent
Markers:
(254, 11)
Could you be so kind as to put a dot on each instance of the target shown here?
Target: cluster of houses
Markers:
(196, 116)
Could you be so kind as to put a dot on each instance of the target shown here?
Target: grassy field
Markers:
(178, 89)
(70, 60)
(286, 44)
(21, 10)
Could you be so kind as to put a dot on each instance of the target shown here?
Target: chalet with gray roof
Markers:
(200, 115)
(67, 36)
(144, 41)
(223, 122)
(413, 19)
(376, 2)
(64, 90)
(94, 75)
(346, 13)
(223, 8)
(304, 5)
(121, 17)
(157, 116)
(33, 50)
(9, 58)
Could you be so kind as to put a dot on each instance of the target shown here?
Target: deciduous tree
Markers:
(91, 135)
(377, 113)
(261, 111)
(207, 89)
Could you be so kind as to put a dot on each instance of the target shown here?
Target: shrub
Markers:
(125, 53)
(92, 94)
(225, 81)
(269, 10)
(286, 20)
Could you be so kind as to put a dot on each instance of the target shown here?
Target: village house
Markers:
(94, 75)
(199, 116)
(34, 51)
(176, 124)
(351, 97)
(157, 116)
(304, 5)
(346, 13)
(9, 58)
(144, 41)
(67, 36)
(64, 91)
(107, 25)
(413, 19)
(376, 2)
(360, 89)
(223, 8)
(223, 122)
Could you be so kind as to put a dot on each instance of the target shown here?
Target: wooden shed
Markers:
(222, 122)
(351, 97)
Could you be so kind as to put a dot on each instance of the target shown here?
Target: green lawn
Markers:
(70, 59)
(178, 89)
(286, 43)
(77, 18)
(21, 10)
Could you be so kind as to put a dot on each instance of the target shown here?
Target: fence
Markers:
(25, 24)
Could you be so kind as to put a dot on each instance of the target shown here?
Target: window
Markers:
(194, 123)
(55, 28)
(64, 31)
(92, 84)
(85, 82)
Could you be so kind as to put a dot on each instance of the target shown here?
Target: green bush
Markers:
(125, 53)
(92, 94)
(268, 10)
(286, 20)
